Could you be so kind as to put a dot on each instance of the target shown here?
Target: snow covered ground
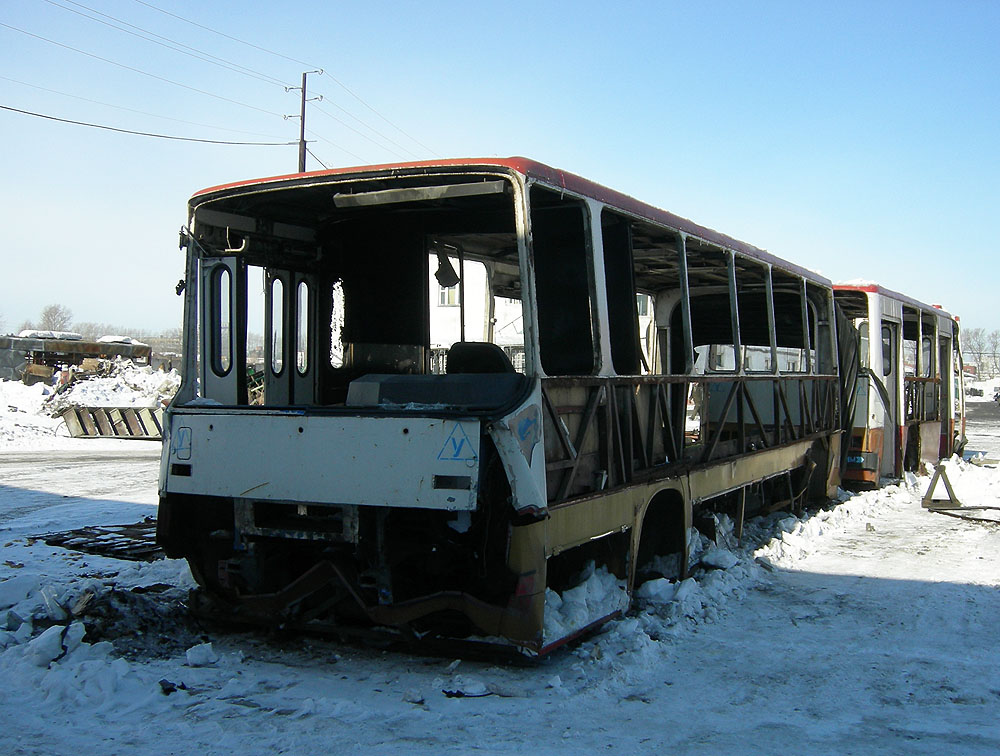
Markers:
(866, 628)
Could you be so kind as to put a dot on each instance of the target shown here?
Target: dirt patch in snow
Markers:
(145, 623)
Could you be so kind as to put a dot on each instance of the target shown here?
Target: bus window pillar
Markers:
(685, 306)
(599, 291)
(734, 313)
(771, 327)
(529, 306)
(807, 336)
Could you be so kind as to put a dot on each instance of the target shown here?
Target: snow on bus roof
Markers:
(532, 169)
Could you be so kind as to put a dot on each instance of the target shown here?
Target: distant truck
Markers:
(34, 356)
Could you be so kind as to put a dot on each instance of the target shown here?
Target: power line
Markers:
(227, 36)
(168, 43)
(140, 71)
(146, 133)
(293, 60)
(365, 125)
(322, 138)
(358, 98)
(140, 112)
(348, 126)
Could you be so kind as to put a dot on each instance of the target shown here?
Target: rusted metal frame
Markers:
(909, 399)
(717, 436)
(830, 404)
(638, 445)
(776, 409)
(834, 391)
(756, 417)
(611, 435)
(651, 416)
(677, 424)
(918, 386)
(819, 400)
(561, 432)
(627, 415)
(784, 404)
(593, 402)
(913, 396)
(800, 393)
(938, 399)
(821, 403)
(670, 443)
(616, 447)
(805, 414)
(741, 432)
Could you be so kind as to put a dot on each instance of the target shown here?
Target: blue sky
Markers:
(861, 140)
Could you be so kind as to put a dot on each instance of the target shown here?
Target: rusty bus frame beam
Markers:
(621, 452)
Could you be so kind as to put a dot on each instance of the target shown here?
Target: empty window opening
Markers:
(790, 322)
(562, 282)
(619, 279)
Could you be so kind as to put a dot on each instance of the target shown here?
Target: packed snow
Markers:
(866, 626)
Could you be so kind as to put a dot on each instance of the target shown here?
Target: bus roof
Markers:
(871, 287)
(535, 170)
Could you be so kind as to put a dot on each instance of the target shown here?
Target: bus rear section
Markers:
(909, 407)
(339, 454)
(478, 399)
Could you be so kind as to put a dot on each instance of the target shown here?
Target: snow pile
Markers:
(66, 672)
(721, 571)
(47, 623)
(971, 490)
(21, 417)
(126, 386)
(598, 594)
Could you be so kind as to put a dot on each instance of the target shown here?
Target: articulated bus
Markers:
(615, 379)
(909, 409)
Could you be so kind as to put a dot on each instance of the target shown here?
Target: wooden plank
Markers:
(134, 426)
(73, 424)
(103, 422)
(149, 421)
(118, 425)
(89, 428)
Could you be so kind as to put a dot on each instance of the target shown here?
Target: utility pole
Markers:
(302, 117)
(302, 127)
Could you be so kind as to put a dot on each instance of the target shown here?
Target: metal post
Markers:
(302, 118)
(302, 127)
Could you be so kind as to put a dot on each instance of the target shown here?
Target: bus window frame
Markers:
(595, 300)
(221, 313)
